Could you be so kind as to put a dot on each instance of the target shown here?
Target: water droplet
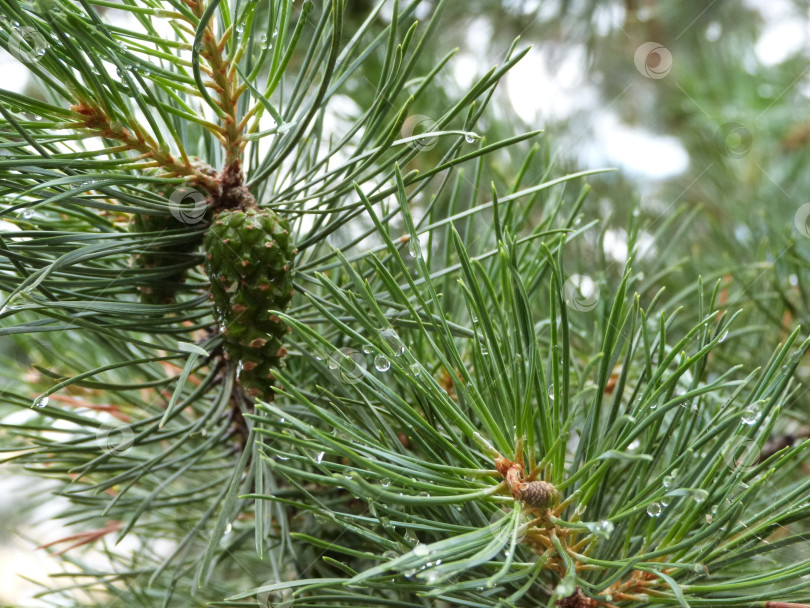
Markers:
(263, 38)
(751, 414)
(700, 496)
(240, 28)
(602, 528)
(416, 369)
(275, 33)
(385, 482)
(41, 402)
(424, 494)
(565, 587)
(414, 248)
(654, 509)
(389, 555)
(121, 72)
(471, 137)
(321, 518)
(28, 214)
(668, 481)
(634, 445)
(228, 528)
(368, 349)
(723, 337)
(319, 457)
(381, 363)
(421, 550)
(392, 338)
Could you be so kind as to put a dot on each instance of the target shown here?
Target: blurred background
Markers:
(702, 109)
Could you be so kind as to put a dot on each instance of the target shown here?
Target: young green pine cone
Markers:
(248, 258)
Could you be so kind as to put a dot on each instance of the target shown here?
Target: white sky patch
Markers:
(779, 41)
(543, 88)
(637, 151)
(784, 32)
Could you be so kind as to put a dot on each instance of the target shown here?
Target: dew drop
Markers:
(381, 363)
(751, 414)
(471, 137)
(319, 457)
(368, 349)
(28, 214)
(565, 588)
(385, 482)
(41, 402)
(654, 509)
(393, 340)
(700, 496)
(602, 528)
(634, 445)
(723, 337)
(421, 550)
